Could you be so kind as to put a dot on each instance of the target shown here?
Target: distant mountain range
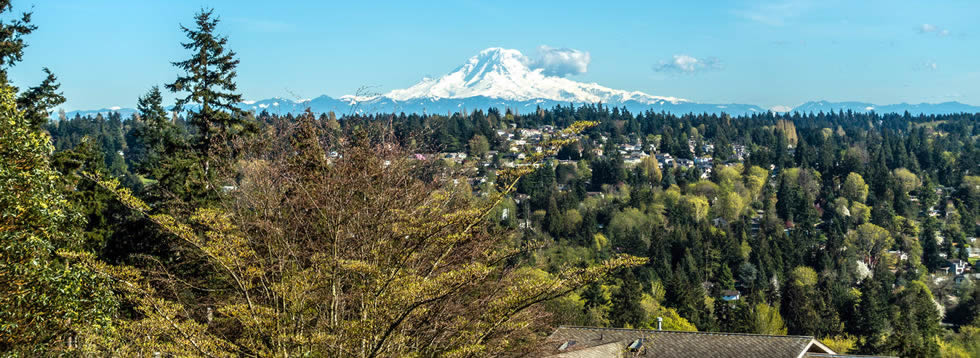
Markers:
(502, 78)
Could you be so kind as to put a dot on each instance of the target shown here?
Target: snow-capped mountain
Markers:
(504, 74)
(505, 78)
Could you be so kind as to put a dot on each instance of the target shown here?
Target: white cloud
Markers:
(688, 64)
(561, 61)
(933, 29)
(115, 108)
(780, 108)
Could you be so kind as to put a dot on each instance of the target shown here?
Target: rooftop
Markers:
(570, 341)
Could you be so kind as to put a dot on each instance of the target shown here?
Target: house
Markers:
(899, 255)
(457, 156)
(581, 342)
(957, 267)
(704, 162)
(740, 152)
(730, 295)
(635, 157)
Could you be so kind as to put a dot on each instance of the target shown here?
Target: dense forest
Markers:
(209, 231)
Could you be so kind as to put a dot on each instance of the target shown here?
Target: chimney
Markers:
(660, 323)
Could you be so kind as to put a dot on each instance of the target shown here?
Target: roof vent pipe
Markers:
(660, 323)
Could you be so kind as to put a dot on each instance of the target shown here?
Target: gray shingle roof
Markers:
(679, 344)
(824, 355)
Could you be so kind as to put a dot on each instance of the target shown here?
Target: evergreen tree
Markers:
(209, 83)
(916, 323)
(871, 319)
(798, 302)
(626, 309)
(156, 137)
(37, 101)
(12, 37)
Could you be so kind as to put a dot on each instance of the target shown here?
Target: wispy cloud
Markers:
(561, 61)
(688, 64)
(933, 29)
(774, 13)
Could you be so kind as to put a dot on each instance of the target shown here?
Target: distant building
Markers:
(704, 162)
(900, 255)
(730, 295)
(957, 267)
(665, 160)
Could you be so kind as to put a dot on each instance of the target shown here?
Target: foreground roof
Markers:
(570, 341)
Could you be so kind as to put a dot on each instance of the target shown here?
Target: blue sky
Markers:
(769, 53)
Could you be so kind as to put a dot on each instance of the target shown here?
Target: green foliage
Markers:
(650, 170)
(45, 301)
(434, 264)
(854, 188)
(907, 181)
(870, 241)
(916, 323)
(479, 146)
(627, 310)
(766, 320)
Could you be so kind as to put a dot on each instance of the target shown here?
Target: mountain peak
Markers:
(501, 73)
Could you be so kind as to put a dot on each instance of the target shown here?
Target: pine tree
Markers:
(12, 37)
(626, 309)
(725, 279)
(916, 324)
(38, 100)
(157, 137)
(209, 83)
(871, 318)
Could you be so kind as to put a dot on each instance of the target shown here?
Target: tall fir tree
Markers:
(157, 136)
(208, 83)
(626, 309)
(916, 324)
